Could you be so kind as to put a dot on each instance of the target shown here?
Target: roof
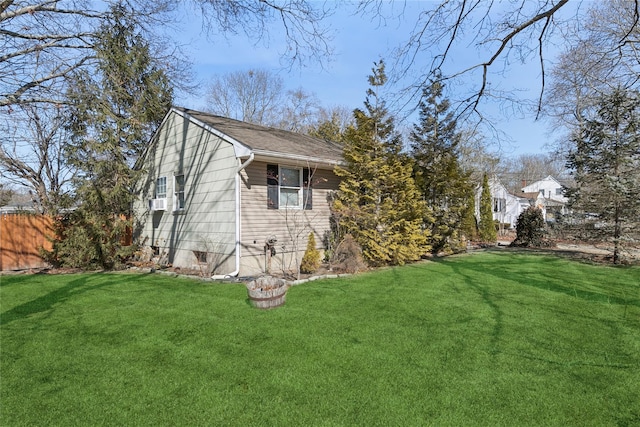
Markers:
(268, 141)
(531, 195)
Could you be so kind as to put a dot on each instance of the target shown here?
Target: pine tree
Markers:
(114, 112)
(444, 185)
(378, 202)
(605, 163)
(486, 228)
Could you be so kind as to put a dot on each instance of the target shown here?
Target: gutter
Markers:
(238, 211)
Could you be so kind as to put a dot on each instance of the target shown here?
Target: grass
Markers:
(486, 339)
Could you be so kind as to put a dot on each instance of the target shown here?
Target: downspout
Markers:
(238, 211)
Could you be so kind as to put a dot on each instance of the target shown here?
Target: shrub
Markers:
(530, 228)
(311, 258)
(347, 256)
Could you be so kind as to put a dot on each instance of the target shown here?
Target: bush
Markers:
(348, 256)
(530, 228)
(311, 258)
(89, 242)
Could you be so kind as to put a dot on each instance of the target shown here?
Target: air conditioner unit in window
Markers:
(158, 204)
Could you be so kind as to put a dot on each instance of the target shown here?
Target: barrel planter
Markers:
(267, 292)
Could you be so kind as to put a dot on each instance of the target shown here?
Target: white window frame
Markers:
(157, 194)
(177, 192)
(299, 187)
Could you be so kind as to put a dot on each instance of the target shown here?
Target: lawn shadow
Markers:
(46, 302)
(504, 271)
(489, 299)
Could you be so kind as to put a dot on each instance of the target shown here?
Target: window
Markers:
(288, 187)
(559, 191)
(178, 194)
(201, 257)
(161, 188)
(499, 205)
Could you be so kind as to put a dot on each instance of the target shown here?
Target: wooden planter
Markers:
(267, 292)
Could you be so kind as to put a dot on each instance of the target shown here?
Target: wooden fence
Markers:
(21, 236)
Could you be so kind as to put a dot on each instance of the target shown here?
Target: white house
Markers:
(548, 195)
(549, 188)
(506, 206)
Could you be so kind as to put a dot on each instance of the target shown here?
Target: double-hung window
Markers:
(161, 188)
(178, 192)
(159, 201)
(288, 187)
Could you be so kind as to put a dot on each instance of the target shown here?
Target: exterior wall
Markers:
(509, 208)
(207, 223)
(549, 186)
(291, 227)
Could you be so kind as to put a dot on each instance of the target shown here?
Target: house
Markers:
(232, 198)
(506, 206)
(19, 203)
(548, 195)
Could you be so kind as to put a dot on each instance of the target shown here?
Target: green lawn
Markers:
(494, 338)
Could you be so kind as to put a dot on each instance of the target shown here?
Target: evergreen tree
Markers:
(469, 227)
(486, 228)
(330, 129)
(444, 185)
(378, 202)
(530, 228)
(114, 113)
(311, 259)
(605, 164)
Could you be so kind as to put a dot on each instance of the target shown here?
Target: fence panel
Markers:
(21, 235)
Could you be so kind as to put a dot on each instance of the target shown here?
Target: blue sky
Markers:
(357, 43)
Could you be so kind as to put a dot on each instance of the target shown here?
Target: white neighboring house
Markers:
(506, 206)
(548, 195)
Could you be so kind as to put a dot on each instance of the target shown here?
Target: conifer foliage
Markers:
(311, 258)
(486, 228)
(114, 112)
(605, 163)
(530, 228)
(378, 202)
(444, 185)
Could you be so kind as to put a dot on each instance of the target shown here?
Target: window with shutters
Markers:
(289, 187)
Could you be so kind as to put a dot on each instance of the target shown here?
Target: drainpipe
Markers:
(238, 193)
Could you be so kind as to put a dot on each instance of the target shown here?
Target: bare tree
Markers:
(42, 42)
(251, 96)
(604, 56)
(259, 96)
(519, 171)
(503, 33)
(31, 154)
(300, 111)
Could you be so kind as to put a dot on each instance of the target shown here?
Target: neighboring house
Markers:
(506, 206)
(19, 203)
(548, 195)
(232, 198)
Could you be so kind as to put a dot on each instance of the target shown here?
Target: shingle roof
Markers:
(263, 140)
